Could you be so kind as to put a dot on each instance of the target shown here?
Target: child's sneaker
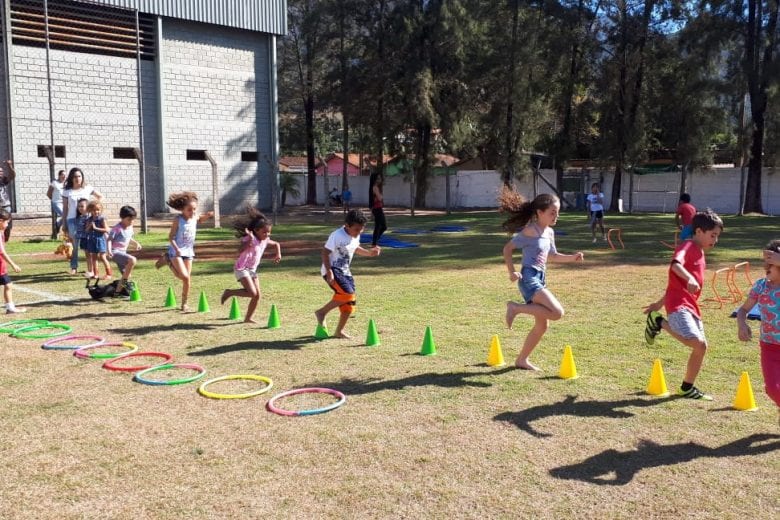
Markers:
(653, 327)
(693, 393)
(15, 310)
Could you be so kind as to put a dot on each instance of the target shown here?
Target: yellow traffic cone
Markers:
(568, 368)
(744, 399)
(495, 356)
(657, 383)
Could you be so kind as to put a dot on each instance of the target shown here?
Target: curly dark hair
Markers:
(773, 245)
(181, 199)
(252, 219)
(521, 211)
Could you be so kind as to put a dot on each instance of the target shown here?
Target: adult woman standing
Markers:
(376, 201)
(75, 188)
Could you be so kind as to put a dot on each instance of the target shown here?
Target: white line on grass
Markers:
(47, 296)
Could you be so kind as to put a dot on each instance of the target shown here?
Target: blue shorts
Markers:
(5, 279)
(686, 232)
(532, 281)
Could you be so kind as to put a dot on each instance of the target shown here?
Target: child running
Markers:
(595, 202)
(683, 217)
(681, 299)
(254, 230)
(5, 262)
(532, 221)
(336, 259)
(97, 230)
(119, 238)
(766, 292)
(181, 238)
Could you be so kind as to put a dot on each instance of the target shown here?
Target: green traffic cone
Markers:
(203, 303)
(273, 318)
(235, 310)
(170, 299)
(135, 294)
(321, 332)
(372, 338)
(428, 346)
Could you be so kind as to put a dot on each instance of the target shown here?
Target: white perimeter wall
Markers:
(718, 189)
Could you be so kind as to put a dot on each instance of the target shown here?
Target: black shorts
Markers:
(596, 214)
(5, 279)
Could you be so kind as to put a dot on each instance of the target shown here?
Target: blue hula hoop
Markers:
(271, 405)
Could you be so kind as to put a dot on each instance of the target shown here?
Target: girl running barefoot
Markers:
(532, 221)
(181, 250)
(254, 230)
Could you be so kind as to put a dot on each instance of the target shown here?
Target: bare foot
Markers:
(250, 320)
(510, 313)
(161, 261)
(342, 335)
(320, 318)
(527, 365)
(224, 297)
(185, 307)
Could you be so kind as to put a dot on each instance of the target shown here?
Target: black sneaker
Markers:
(653, 328)
(693, 393)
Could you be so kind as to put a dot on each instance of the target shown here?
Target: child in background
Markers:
(681, 299)
(532, 221)
(80, 240)
(181, 238)
(97, 230)
(254, 230)
(336, 259)
(5, 261)
(595, 201)
(119, 238)
(683, 218)
(766, 292)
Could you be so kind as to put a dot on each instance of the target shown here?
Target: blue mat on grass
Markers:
(386, 241)
(448, 228)
(754, 314)
(410, 231)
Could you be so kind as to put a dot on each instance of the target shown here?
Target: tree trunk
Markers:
(753, 186)
(509, 169)
(311, 192)
(422, 159)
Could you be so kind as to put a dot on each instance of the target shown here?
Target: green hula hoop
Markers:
(213, 395)
(139, 376)
(10, 327)
(31, 332)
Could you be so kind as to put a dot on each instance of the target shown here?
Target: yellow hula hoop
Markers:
(213, 395)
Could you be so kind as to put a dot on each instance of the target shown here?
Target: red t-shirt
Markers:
(686, 211)
(691, 257)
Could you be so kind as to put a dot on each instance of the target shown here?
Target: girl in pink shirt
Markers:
(254, 230)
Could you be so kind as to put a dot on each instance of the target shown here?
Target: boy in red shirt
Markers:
(684, 216)
(5, 263)
(681, 299)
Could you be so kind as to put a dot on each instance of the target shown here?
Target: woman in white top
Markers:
(596, 206)
(55, 196)
(75, 189)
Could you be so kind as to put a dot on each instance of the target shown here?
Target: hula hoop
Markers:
(272, 407)
(52, 344)
(109, 365)
(82, 353)
(213, 395)
(12, 326)
(139, 376)
(30, 332)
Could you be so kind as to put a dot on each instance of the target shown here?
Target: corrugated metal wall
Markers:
(269, 16)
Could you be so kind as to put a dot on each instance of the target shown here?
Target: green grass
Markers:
(433, 436)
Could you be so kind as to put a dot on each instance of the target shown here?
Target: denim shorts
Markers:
(686, 325)
(532, 281)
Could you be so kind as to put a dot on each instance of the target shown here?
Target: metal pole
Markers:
(140, 150)
(6, 18)
(274, 134)
(53, 155)
(446, 187)
(214, 187)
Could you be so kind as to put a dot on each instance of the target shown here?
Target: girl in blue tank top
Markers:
(181, 240)
(532, 221)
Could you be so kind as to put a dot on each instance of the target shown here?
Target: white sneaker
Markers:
(16, 310)
(594, 240)
(88, 274)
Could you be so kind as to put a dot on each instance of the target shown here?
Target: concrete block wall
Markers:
(216, 97)
(94, 109)
(5, 151)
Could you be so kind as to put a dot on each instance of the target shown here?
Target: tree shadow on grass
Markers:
(570, 406)
(599, 468)
(142, 331)
(288, 344)
(441, 380)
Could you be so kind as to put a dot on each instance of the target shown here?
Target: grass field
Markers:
(441, 436)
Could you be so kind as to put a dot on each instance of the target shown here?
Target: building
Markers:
(139, 94)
